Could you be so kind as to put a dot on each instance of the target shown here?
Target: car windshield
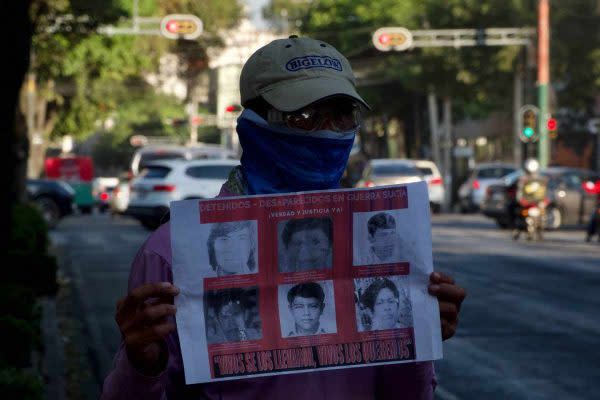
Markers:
(425, 170)
(162, 155)
(494, 172)
(209, 171)
(155, 172)
(395, 170)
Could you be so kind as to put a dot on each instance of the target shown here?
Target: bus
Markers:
(77, 171)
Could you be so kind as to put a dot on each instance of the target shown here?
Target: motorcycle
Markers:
(530, 219)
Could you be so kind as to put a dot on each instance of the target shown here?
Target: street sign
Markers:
(390, 38)
(181, 26)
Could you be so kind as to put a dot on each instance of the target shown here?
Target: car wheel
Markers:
(49, 210)
(553, 218)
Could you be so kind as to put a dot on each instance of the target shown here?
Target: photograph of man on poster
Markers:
(231, 315)
(383, 303)
(305, 313)
(377, 239)
(305, 244)
(232, 248)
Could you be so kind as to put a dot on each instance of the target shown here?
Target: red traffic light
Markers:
(552, 124)
(184, 26)
(392, 38)
(233, 108)
(172, 26)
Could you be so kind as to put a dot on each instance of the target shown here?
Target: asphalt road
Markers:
(530, 327)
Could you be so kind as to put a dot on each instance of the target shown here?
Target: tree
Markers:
(80, 73)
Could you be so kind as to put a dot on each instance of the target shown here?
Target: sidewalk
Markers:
(67, 368)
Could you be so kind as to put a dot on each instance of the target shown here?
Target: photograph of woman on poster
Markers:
(232, 248)
(382, 303)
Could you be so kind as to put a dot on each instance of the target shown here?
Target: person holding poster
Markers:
(301, 116)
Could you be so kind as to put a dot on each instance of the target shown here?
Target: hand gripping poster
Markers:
(304, 282)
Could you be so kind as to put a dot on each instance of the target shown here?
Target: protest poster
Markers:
(303, 282)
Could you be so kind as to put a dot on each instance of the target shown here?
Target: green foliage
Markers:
(19, 338)
(18, 384)
(479, 79)
(29, 232)
(92, 71)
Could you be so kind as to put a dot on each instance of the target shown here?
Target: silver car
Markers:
(472, 191)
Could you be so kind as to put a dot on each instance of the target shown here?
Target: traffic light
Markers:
(386, 39)
(529, 124)
(181, 26)
(233, 108)
(552, 125)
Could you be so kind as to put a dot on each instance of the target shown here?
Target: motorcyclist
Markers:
(531, 191)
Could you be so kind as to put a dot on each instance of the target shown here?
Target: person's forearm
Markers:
(126, 383)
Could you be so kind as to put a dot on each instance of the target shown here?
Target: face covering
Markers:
(283, 160)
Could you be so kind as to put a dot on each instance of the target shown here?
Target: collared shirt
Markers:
(295, 332)
(412, 381)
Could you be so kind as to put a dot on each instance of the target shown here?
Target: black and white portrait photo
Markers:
(232, 315)
(305, 244)
(307, 308)
(382, 303)
(232, 248)
(377, 238)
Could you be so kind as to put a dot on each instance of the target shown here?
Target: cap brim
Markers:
(293, 95)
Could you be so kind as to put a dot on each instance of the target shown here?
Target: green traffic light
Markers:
(528, 132)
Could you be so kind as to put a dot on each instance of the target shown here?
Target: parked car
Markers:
(568, 202)
(102, 189)
(161, 182)
(147, 154)
(55, 199)
(389, 171)
(471, 192)
(435, 183)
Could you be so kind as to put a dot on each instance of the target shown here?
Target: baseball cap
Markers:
(295, 72)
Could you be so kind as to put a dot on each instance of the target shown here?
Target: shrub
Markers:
(17, 384)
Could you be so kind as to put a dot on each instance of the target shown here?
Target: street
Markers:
(528, 329)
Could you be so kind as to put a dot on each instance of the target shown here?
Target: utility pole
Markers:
(433, 127)
(448, 145)
(543, 79)
(517, 104)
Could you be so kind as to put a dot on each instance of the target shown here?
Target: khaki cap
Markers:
(295, 72)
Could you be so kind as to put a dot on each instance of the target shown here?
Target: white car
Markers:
(435, 183)
(161, 182)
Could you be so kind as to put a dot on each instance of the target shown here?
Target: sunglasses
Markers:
(336, 115)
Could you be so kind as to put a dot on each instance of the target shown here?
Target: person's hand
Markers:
(142, 319)
(450, 296)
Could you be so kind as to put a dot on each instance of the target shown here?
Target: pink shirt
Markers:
(153, 264)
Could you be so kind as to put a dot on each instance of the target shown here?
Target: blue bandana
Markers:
(282, 160)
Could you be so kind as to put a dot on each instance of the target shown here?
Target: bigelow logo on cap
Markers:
(308, 62)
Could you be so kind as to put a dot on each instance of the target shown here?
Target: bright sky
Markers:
(255, 11)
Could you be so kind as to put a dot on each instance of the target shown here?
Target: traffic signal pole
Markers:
(543, 80)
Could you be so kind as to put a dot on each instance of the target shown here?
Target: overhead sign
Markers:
(387, 39)
(181, 26)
